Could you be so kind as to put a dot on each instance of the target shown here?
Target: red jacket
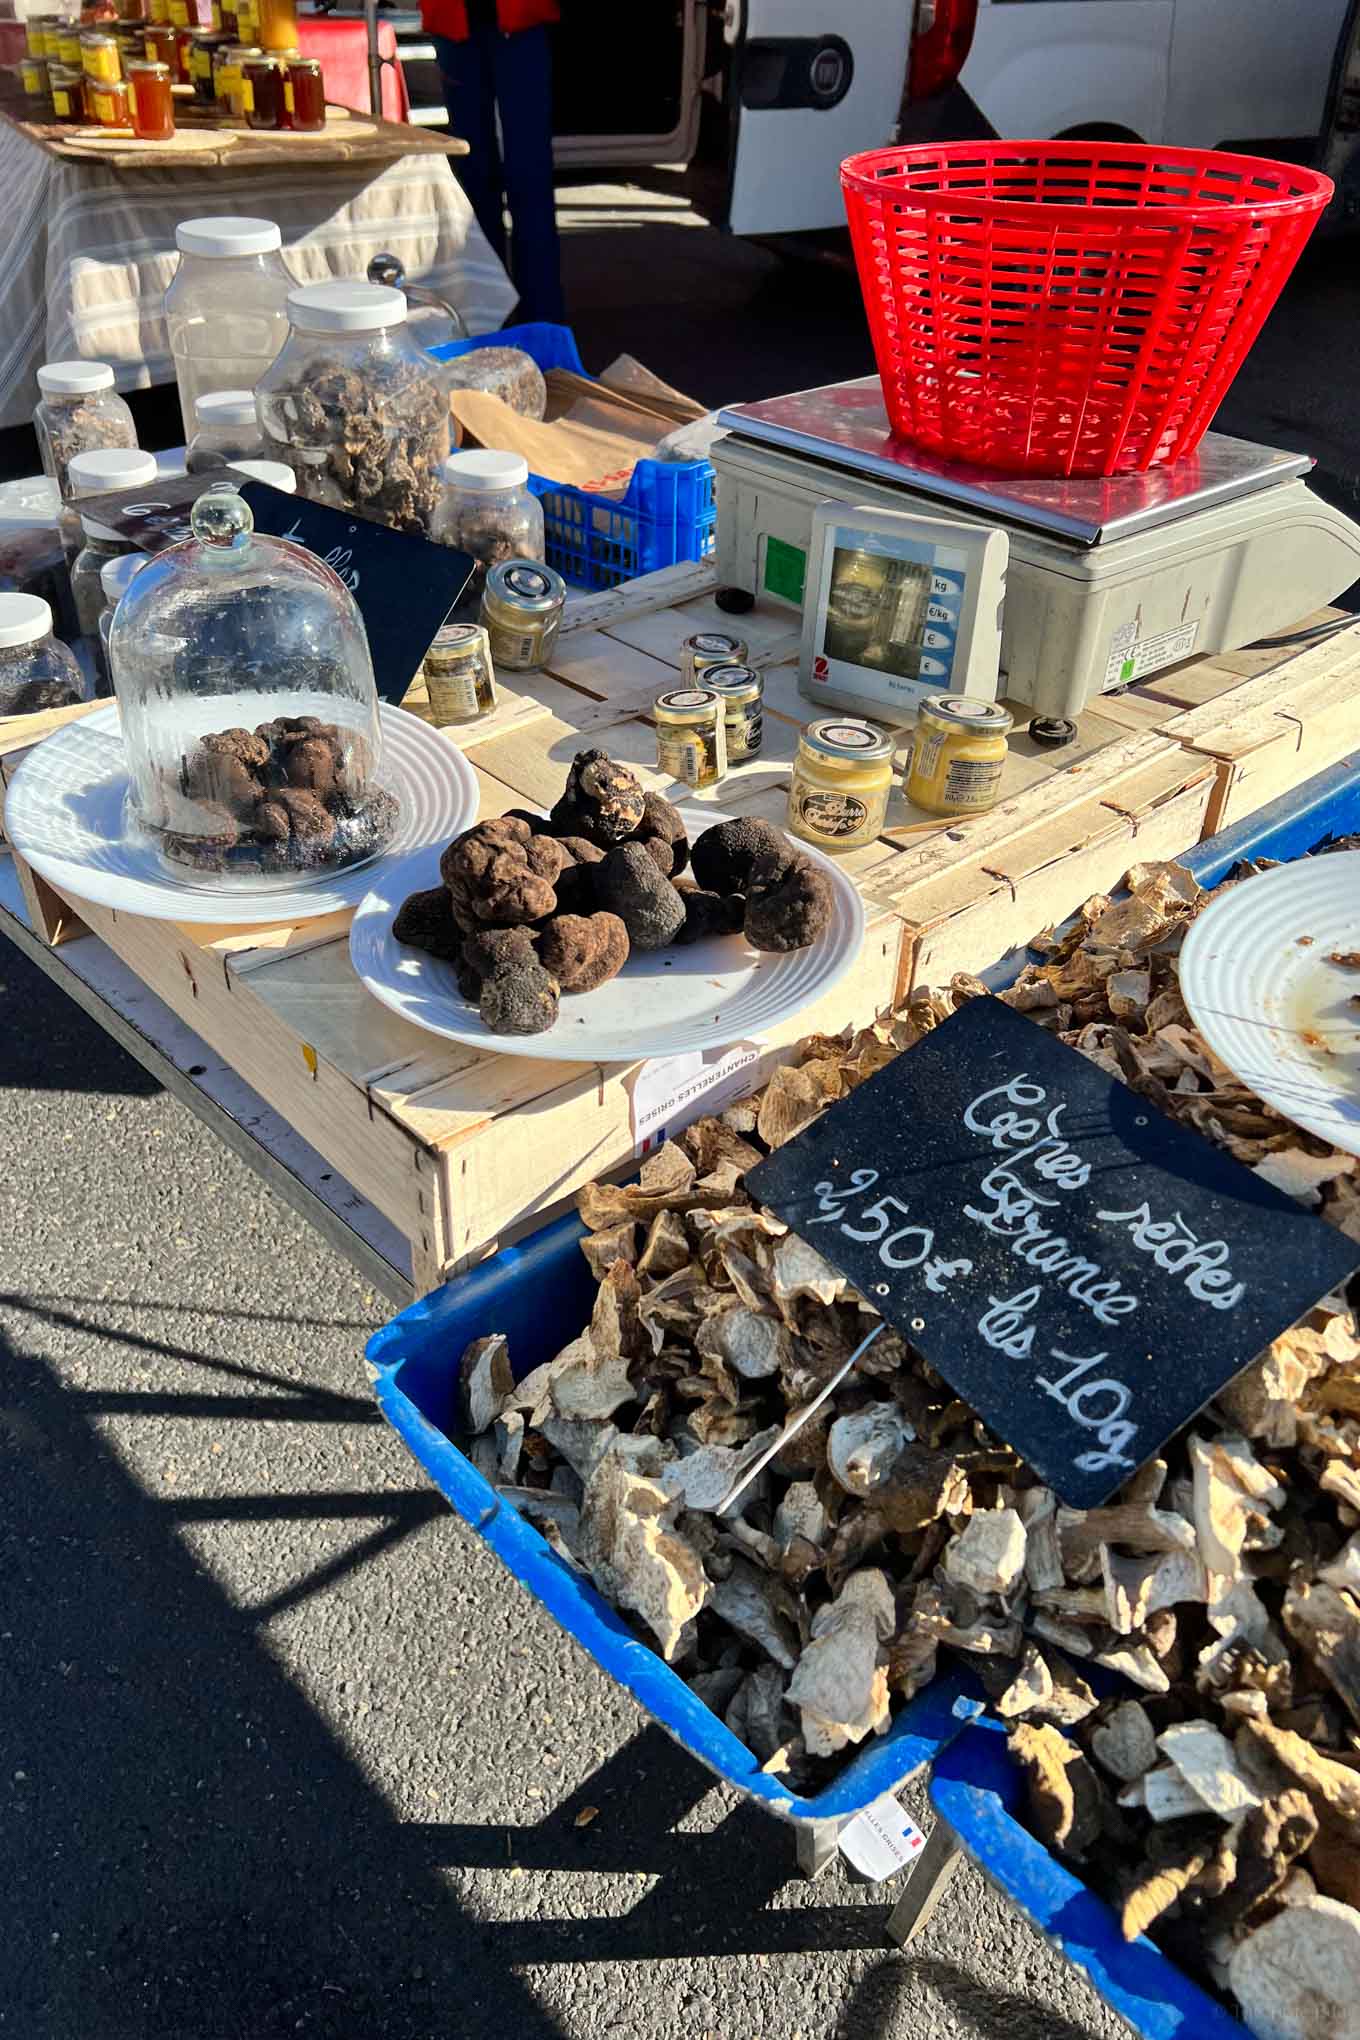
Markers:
(449, 17)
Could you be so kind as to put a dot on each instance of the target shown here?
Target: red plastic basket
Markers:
(1068, 308)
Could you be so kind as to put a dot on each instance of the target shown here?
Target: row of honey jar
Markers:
(270, 23)
(126, 79)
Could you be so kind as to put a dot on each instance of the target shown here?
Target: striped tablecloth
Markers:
(86, 253)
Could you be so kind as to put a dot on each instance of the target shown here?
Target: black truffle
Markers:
(660, 852)
(662, 823)
(722, 857)
(584, 952)
(425, 920)
(491, 879)
(601, 801)
(789, 904)
(708, 913)
(291, 814)
(520, 999)
(628, 884)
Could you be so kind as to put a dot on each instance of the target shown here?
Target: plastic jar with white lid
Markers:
(487, 509)
(272, 471)
(36, 669)
(227, 428)
(103, 469)
(101, 545)
(79, 411)
(226, 310)
(358, 410)
(114, 577)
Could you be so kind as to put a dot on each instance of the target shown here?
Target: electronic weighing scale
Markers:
(1107, 580)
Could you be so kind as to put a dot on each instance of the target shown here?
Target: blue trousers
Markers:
(512, 75)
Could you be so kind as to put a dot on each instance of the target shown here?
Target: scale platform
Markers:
(1109, 580)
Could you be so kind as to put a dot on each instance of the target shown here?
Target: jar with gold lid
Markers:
(100, 58)
(522, 603)
(958, 755)
(691, 735)
(710, 648)
(842, 778)
(106, 102)
(460, 679)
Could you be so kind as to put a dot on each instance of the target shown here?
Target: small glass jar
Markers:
(67, 86)
(358, 410)
(304, 95)
(271, 471)
(958, 755)
(79, 410)
(36, 669)
(195, 14)
(249, 712)
(114, 577)
(522, 605)
(742, 691)
(487, 509)
(710, 648)
(33, 78)
(150, 103)
(99, 58)
(277, 23)
(65, 47)
(132, 12)
(106, 102)
(182, 68)
(842, 778)
(97, 473)
(262, 93)
(201, 67)
(228, 429)
(101, 545)
(229, 78)
(159, 45)
(460, 679)
(36, 31)
(158, 10)
(691, 735)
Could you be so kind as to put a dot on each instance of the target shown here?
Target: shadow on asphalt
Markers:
(877, 2008)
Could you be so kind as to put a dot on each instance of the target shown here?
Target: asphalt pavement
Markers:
(283, 1750)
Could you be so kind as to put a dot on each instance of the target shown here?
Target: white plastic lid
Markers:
(228, 236)
(74, 378)
(114, 575)
(106, 531)
(346, 307)
(226, 407)
(276, 472)
(23, 619)
(481, 468)
(111, 467)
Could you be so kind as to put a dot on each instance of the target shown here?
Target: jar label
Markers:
(61, 103)
(288, 95)
(516, 649)
(247, 96)
(745, 732)
(452, 696)
(973, 782)
(685, 757)
(831, 814)
(925, 757)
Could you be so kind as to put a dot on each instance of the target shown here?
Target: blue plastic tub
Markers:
(667, 514)
(975, 1788)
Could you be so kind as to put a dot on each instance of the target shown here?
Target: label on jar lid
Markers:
(849, 736)
(687, 699)
(713, 641)
(459, 637)
(528, 581)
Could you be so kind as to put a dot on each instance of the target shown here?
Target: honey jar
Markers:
(106, 102)
(304, 95)
(741, 691)
(33, 77)
(691, 735)
(709, 648)
(99, 59)
(37, 29)
(150, 103)
(842, 778)
(459, 677)
(67, 45)
(958, 755)
(66, 85)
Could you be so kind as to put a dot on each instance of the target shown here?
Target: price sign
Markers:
(1083, 1271)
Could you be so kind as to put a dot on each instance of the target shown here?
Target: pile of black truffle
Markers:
(290, 795)
(533, 907)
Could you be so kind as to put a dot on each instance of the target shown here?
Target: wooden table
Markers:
(348, 137)
(419, 1156)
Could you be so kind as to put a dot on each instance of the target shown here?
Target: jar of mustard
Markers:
(842, 778)
(691, 735)
(958, 755)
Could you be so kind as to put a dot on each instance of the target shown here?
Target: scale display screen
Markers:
(891, 610)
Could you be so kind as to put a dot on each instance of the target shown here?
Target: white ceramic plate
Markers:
(1255, 976)
(64, 814)
(666, 1003)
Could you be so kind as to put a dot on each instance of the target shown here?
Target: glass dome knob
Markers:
(221, 516)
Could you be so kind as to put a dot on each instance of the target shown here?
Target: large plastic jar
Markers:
(114, 577)
(486, 508)
(36, 669)
(95, 474)
(226, 311)
(358, 410)
(227, 429)
(79, 410)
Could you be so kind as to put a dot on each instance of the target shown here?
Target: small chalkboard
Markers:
(1082, 1270)
(404, 586)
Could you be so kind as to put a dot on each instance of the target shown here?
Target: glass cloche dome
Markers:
(249, 712)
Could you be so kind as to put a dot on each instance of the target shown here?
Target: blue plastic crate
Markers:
(540, 1294)
(668, 513)
(975, 1788)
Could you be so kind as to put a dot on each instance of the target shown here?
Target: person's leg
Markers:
(523, 68)
(466, 72)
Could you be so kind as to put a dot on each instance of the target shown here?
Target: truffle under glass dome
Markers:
(249, 712)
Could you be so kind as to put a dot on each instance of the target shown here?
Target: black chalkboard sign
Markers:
(404, 586)
(1083, 1271)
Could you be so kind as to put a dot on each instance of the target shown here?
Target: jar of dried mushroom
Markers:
(487, 508)
(842, 778)
(505, 372)
(741, 691)
(226, 311)
(36, 669)
(356, 408)
(78, 411)
(227, 428)
(460, 679)
(249, 713)
(691, 735)
(522, 605)
(98, 473)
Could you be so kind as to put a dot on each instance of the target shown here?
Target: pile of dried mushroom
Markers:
(1213, 1791)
